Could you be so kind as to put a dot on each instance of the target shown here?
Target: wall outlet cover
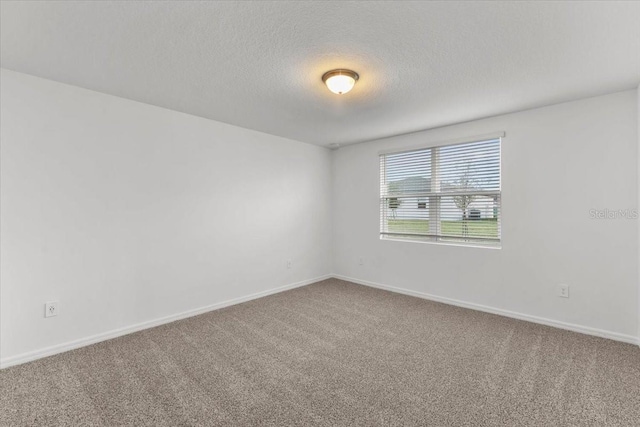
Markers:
(563, 291)
(51, 309)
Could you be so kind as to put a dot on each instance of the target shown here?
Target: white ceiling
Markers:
(259, 64)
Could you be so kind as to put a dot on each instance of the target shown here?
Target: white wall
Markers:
(567, 158)
(126, 213)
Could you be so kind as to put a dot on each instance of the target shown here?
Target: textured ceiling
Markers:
(259, 64)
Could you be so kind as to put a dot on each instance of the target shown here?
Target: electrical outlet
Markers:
(563, 291)
(51, 309)
(361, 261)
(289, 263)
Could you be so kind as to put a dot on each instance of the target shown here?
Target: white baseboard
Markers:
(60, 348)
(630, 339)
(82, 342)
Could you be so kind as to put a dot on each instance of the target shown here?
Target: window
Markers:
(449, 193)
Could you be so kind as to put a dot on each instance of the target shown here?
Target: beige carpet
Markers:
(333, 354)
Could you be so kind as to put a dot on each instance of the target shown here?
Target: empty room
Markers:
(319, 213)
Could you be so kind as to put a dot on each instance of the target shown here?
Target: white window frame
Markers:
(434, 198)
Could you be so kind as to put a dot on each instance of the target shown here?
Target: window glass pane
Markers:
(407, 173)
(474, 166)
(470, 217)
(407, 215)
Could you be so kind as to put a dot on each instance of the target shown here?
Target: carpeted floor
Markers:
(333, 354)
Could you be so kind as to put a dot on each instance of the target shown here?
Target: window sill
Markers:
(477, 245)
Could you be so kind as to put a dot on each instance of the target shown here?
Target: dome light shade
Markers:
(340, 81)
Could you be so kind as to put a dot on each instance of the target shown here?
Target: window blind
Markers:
(444, 193)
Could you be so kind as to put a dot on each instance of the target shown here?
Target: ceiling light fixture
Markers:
(340, 81)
